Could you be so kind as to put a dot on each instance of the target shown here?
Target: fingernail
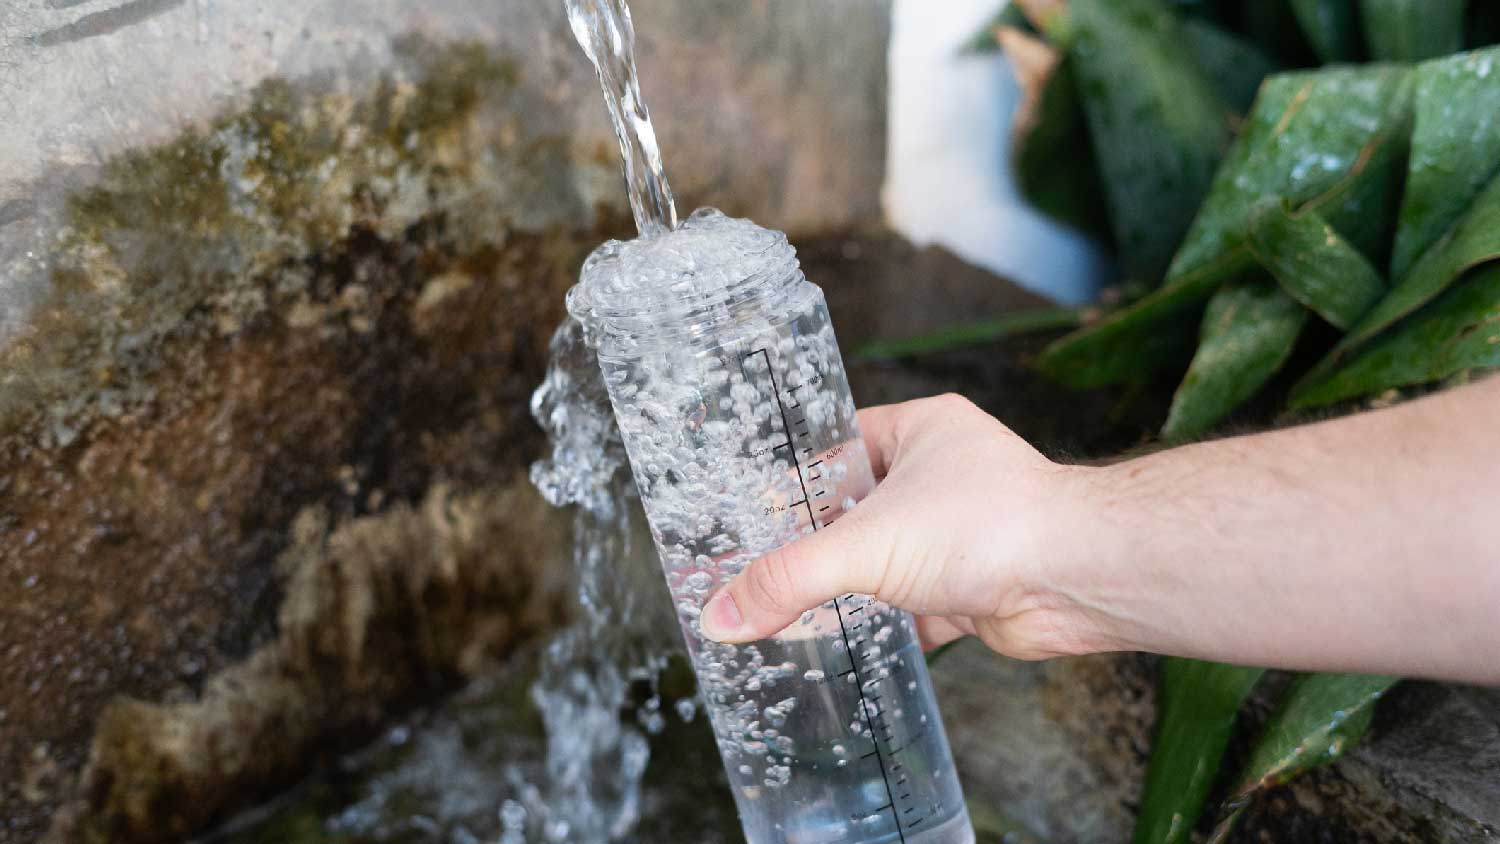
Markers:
(721, 617)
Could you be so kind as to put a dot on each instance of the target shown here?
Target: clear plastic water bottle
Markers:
(734, 407)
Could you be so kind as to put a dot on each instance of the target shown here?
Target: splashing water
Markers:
(607, 34)
(594, 762)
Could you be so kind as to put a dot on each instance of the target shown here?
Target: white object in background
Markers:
(948, 178)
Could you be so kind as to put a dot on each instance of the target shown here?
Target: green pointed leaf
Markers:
(1158, 126)
(1474, 242)
(1248, 333)
(1313, 263)
(972, 334)
(1235, 67)
(1199, 702)
(1321, 716)
(1455, 148)
(1331, 141)
(1412, 30)
(1332, 27)
(1009, 16)
(937, 653)
(1050, 146)
(1460, 331)
(1130, 345)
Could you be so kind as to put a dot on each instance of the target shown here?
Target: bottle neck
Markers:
(701, 308)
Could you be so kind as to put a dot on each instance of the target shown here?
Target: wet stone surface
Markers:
(252, 329)
(276, 282)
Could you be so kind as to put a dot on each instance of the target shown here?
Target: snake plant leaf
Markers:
(1051, 152)
(1199, 701)
(1321, 716)
(1472, 243)
(937, 653)
(1332, 27)
(1248, 333)
(1412, 30)
(1458, 332)
(1331, 141)
(1313, 263)
(971, 334)
(1010, 16)
(1158, 126)
(1455, 148)
(1235, 67)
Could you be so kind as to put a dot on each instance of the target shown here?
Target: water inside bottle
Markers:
(731, 400)
(734, 407)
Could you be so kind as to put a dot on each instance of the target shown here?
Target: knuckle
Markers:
(771, 584)
(894, 574)
(931, 415)
(953, 403)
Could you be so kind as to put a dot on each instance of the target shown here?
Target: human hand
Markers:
(963, 530)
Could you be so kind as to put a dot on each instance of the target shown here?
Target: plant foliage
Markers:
(1304, 199)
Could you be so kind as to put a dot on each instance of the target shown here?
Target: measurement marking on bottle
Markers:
(874, 719)
(911, 740)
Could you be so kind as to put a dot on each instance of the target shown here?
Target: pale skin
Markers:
(1369, 543)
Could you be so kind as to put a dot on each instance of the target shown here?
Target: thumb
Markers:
(849, 555)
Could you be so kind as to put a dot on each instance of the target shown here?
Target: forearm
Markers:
(1369, 543)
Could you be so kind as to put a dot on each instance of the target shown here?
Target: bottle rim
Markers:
(621, 316)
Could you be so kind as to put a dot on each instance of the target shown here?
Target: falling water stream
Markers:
(607, 34)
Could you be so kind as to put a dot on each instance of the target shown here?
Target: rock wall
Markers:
(276, 280)
(775, 109)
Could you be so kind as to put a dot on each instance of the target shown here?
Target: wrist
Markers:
(1079, 567)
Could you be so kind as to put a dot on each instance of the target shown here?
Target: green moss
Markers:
(185, 237)
(330, 299)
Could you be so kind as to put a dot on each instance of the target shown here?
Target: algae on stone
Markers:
(328, 300)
